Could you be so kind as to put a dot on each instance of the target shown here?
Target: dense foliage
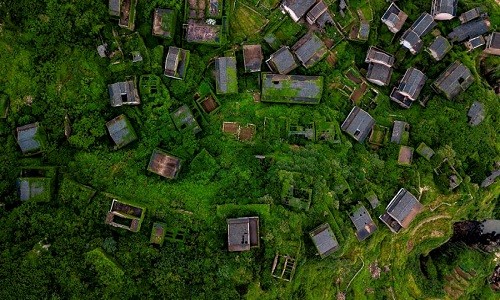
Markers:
(50, 71)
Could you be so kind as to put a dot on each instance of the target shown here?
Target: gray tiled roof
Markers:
(470, 15)
(291, 88)
(125, 88)
(121, 131)
(172, 61)
(298, 7)
(375, 55)
(439, 47)
(394, 18)
(412, 83)
(455, 79)
(114, 7)
(469, 30)
(27, 138)
(423, 25)
(324, 240)
(282, 61)
(476, 113)
(316, 12)
(226, 78)
(379, 74)
(309, 49)
(411, 40)
(397, 131)
(404, 207)
(444, 6)
(31, 187)
(358, 124)
(363, 222)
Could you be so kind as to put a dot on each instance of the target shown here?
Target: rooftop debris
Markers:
(363, 222)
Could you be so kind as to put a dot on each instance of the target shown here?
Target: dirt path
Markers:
(429, 220)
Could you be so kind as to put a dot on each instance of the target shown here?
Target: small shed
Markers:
(476, 113)
(164, 164)
(425, 151)
(158, 233)
(30, 138)
(243, 234)
(324, 240)
(121, 131)
(363, 222)
(184, 120)
(405, 156)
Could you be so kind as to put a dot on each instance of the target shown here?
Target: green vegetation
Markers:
(62, 248)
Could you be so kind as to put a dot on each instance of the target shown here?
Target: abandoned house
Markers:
(283, 267)
(439, 47)
(124, 10)
(243, 233)
(282, 61)
(470, 15)
(358, 124)
(30, 138)
(158, 233)
(402, 209)
(297, 8)
(405, 156)
(206, 100)
(469, 30)
(372, 198)
(400, 132)
(455, 79)
(252, 58)
(364, 30)
(124, 93)
(490, 179)
(226, 80)
(164, 21)
(425, 151)
(379, 66)
(365, 226)
(176, 63)
(136, 56)
(121, 131)
(202, 33)
(296, 189)
(444, 9)
(409, 88)
(493, 44)
(412, 37)
(36, 183)
(309, 50)
(476, 113)
(394, 18)
(319, 14)
(125, 215)
(184, 120)
(296, 89)
(164, 164)
(324, 240)
(474, 43)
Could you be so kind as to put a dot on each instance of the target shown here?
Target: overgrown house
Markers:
(176, 62)
(296, 89)
(226, 80)
(358, 124)
(243, 234)
(124, 93)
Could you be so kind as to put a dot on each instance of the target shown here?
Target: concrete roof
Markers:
(476, 113)
(243, 233)
(358, 124)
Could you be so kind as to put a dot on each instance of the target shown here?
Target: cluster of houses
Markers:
(209, 26)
